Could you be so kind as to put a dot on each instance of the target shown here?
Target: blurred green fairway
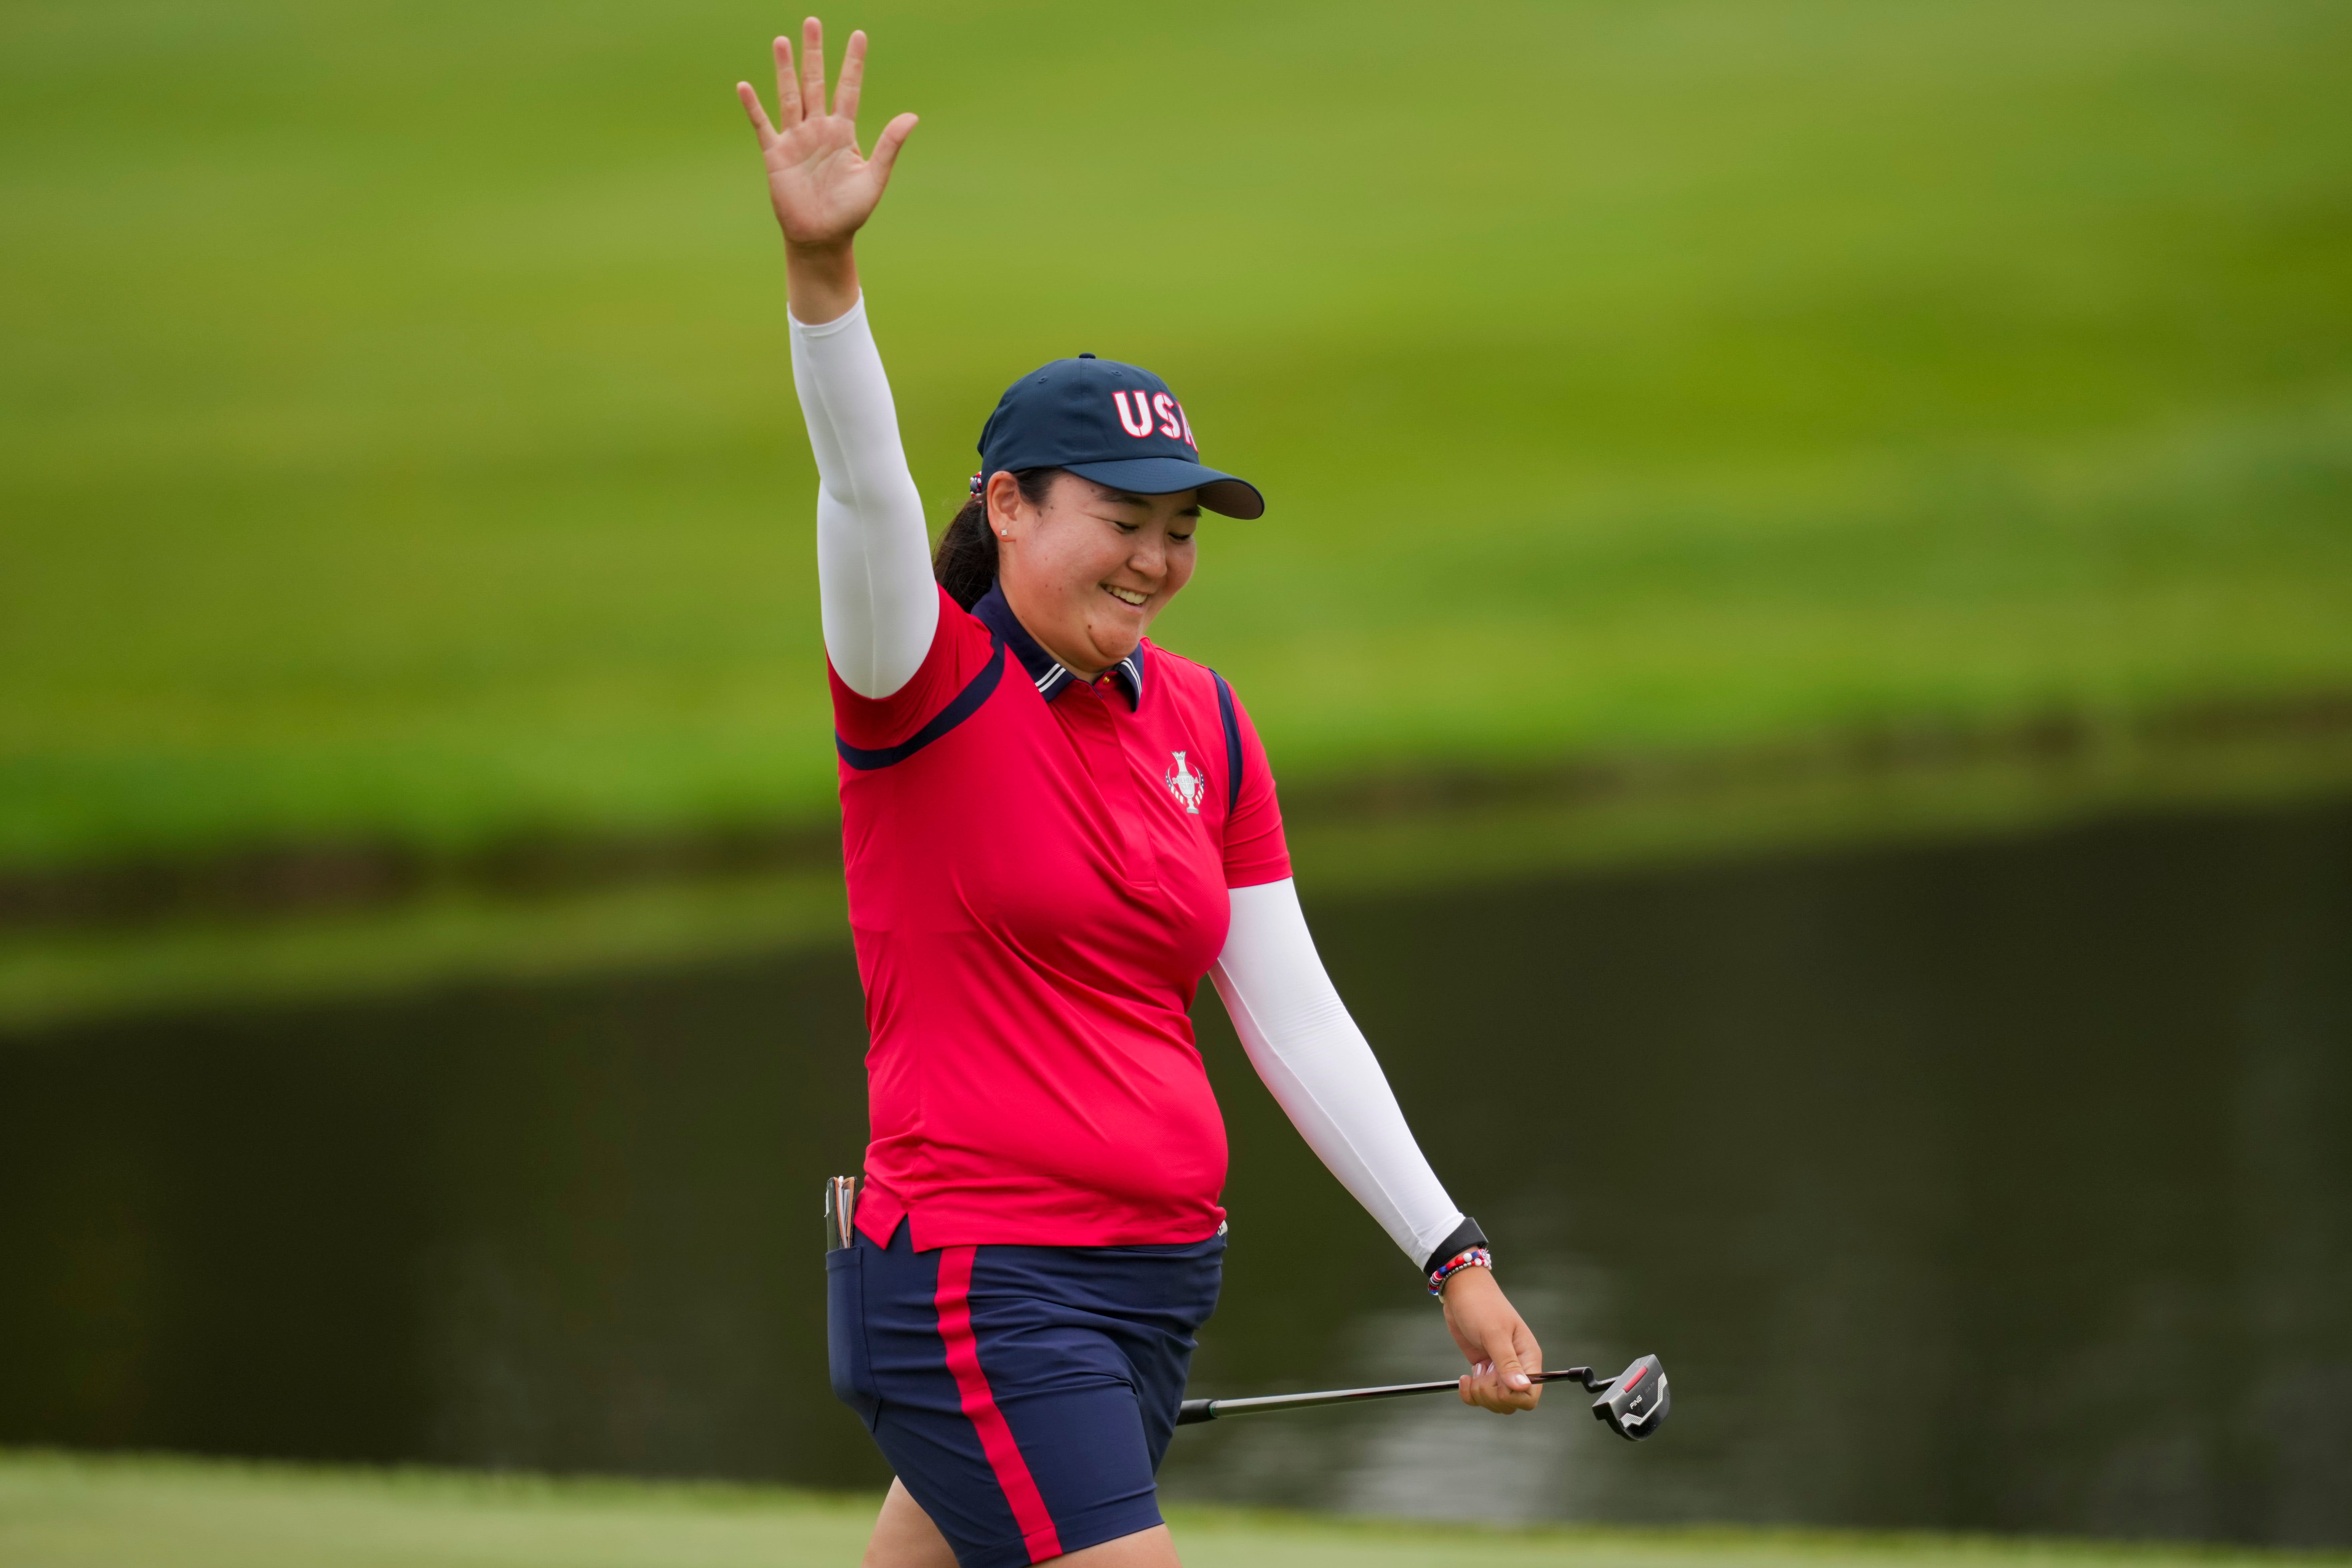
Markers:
(56, 1513)
(397, 436)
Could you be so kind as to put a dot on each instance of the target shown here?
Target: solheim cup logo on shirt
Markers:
(1185, 785)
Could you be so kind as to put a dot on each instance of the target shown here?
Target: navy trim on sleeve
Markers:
(976, 692)
(1466, 1233)
(1232, 743)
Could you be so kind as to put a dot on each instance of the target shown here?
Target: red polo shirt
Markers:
(1037, 881)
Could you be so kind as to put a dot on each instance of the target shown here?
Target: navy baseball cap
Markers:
(1114, 423)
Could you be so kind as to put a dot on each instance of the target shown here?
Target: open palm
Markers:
(822, 187)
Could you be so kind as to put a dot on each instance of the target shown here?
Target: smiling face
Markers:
(1088, 570)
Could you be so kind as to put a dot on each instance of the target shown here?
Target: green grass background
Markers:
(56, 1513)
(397, 436)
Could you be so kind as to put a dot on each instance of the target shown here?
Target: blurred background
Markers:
(1804, 623)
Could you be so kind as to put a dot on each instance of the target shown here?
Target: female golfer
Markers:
(1053, 829)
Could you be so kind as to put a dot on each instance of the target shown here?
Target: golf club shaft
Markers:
(1196, 1410)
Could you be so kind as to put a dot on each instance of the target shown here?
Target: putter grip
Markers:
(1192, 1412)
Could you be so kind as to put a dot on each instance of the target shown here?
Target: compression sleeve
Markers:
(878, 603)
(1322, 1070)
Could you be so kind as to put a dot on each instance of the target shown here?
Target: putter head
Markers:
(1635, 1405)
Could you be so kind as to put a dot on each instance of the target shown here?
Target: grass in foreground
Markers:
(395, 437)
(70, 1512)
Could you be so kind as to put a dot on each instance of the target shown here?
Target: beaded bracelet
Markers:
(1468, 1257)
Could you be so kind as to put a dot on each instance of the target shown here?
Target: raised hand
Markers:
(823, 188)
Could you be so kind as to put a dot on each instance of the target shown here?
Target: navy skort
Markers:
(1023, 1395)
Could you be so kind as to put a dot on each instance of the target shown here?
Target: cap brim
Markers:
(1163, 475)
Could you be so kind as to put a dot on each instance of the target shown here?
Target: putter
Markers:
(1633, 1403)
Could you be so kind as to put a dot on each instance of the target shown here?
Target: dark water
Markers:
(1998, 1186)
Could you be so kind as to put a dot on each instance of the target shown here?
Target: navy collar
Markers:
(1048, 674)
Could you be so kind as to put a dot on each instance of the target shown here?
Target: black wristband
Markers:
(1466, 1233)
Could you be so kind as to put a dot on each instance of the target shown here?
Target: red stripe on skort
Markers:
(954, 1302)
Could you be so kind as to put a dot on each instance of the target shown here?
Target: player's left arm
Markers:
(1321, 1070)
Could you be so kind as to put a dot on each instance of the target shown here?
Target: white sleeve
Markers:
(1322, 1070)
(875, 589)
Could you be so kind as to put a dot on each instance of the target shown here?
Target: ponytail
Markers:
(965, 562)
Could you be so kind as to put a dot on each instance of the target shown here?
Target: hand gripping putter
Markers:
(1633, 1405)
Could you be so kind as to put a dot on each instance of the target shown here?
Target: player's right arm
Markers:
(878, 602)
